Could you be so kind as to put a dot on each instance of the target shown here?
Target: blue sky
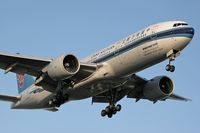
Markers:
(50, 28)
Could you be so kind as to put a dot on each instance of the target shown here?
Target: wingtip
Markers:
(188, 100)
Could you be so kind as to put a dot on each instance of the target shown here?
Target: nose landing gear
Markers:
(172, 54)
(170, 68)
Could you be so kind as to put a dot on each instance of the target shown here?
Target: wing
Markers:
(33, 66)
(105, 97)
(137, 91)
(132, 88)
(22, 64)
(131, 85)
(9, 98)
(180, 98)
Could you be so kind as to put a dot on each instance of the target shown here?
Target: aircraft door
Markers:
(153, 34)
(154, 39)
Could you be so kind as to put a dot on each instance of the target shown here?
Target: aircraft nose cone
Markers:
(191, 31)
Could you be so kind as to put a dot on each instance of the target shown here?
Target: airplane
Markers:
(106, 76)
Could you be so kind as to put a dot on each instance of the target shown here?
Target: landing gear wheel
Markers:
(58, 100)
(107, 109)
(172, 69)
(103, 113)
(118, 107)
(112, 107)
(168, 67)
(110, 115)
(111, 110)
(114, 112)
(51, 104)
(54, 103)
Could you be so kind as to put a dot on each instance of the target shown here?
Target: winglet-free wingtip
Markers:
(188, 100)
(177, 97)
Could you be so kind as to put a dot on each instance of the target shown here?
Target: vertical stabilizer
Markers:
(24, 81)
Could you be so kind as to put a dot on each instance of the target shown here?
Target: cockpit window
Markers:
(179, 24)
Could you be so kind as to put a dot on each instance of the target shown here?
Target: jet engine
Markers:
(63, 67)
(158, 88)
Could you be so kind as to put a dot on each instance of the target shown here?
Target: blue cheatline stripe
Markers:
(178, 32)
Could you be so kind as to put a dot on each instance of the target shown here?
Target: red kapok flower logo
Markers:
(20, 78)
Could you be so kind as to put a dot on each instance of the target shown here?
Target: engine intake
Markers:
(63, 67)
(158, 88)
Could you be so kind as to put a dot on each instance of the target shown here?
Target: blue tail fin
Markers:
(24, 81)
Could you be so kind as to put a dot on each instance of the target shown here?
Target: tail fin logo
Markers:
(21, 80)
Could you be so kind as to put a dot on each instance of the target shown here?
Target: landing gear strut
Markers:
(112, 109)
(172, 54)
(59, 98)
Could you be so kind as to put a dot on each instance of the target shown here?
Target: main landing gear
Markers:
(170, 67)
(58, 100)
(172, 54)
(112, 108)
(60, 97)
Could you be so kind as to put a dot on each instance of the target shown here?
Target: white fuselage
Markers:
(125, 57)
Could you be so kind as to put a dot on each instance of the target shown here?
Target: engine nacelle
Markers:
(63, 67)
(158, 88)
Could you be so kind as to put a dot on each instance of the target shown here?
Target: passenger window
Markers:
(174, 25)
(143, 32)
(148, 29)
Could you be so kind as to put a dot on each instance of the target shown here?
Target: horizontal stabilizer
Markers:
(9, 98)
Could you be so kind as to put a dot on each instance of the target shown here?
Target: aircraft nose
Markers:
(191, 31)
